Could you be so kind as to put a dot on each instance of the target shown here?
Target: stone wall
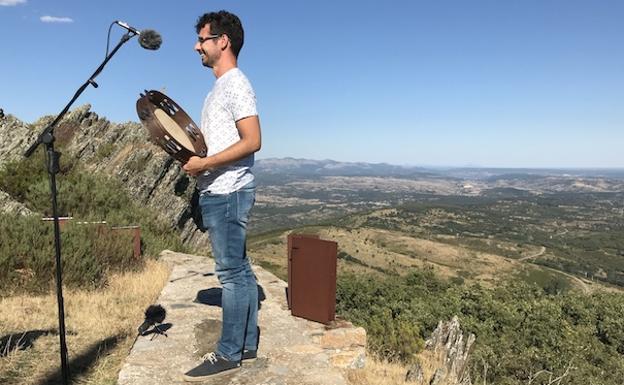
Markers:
(291, 350)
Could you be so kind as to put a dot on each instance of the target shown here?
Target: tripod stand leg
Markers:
(53, 169)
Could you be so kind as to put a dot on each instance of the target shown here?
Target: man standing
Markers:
(231, 129)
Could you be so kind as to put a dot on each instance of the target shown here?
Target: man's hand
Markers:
(250, 141)
(195, 165)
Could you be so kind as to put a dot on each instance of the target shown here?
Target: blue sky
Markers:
(517, 83)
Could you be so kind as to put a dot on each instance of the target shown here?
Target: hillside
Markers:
(121, 151)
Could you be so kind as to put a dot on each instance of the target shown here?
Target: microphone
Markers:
(148, 38)
(154, 314)
(126, 26)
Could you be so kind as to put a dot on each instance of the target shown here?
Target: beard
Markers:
(207, 60)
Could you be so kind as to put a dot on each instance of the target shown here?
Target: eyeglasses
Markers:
(201, 40)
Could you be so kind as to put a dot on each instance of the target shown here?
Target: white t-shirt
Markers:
(232, 98)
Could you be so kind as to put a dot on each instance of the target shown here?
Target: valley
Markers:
(558, 230)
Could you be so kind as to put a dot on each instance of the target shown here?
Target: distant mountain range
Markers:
(309, 167)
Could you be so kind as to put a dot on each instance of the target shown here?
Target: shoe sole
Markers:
(249, 359)
(216, 375)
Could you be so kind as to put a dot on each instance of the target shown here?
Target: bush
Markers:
(520, 328)
(89, 253)
(386, 309)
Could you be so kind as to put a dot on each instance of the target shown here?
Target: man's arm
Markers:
(250, 142)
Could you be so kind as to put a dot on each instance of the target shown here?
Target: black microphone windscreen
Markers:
(155, 314)
(150, 39)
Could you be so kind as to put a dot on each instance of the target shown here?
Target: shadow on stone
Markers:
(158, 329)
(261, 296)
(192, 274)
(20, 341)
(255, 368)
(82, 363)
(207, 336)
(212, 296)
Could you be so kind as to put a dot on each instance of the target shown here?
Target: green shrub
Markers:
(386, 308)
(521, 329)
(104, 151)
(89, 252)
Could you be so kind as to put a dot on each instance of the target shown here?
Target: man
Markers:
(231, 129)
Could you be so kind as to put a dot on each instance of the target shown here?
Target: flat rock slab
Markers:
(289, 350)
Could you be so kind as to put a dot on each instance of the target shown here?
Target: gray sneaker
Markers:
(213, 366)
(249, 355)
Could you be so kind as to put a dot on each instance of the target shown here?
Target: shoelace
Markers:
(212, 357)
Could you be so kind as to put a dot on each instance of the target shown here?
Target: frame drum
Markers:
(170, 127)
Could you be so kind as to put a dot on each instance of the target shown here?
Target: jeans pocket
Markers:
(251, 186)
(214, 209)
(245, 199)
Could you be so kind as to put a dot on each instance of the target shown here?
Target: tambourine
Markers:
(170, 127)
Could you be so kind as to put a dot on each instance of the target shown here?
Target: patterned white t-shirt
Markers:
(232, 98)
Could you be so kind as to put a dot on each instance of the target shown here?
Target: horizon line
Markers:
(430, 166)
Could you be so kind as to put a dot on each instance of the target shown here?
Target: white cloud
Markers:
(11, 3)
(54, 19)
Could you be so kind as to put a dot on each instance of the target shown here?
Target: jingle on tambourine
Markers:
(170, 127)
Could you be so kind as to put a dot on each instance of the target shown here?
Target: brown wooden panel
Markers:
(312, 277)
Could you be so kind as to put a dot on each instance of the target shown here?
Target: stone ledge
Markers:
(291, 350)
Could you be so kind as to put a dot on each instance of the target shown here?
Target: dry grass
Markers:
(393, 250)
(377, 372)
(383, 372)
(101, 327)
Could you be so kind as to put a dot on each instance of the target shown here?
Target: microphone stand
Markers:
(47, 138)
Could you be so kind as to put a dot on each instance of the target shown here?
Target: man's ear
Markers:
(225, 42)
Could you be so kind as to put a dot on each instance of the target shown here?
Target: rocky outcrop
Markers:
(444, 359)
(10, 207)
(15, 137)
(122, 151)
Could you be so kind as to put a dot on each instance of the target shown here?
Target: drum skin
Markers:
(170, 127)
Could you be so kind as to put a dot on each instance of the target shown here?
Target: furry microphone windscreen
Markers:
(153, 314)
(150, 39)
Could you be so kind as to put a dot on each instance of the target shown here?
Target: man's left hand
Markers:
(195, 166)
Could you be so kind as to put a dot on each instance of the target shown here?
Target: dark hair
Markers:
(224, 22)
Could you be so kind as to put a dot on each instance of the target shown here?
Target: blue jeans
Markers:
(225, 217)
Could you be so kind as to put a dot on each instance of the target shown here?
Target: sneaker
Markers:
(213, 366)
(249, 355)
